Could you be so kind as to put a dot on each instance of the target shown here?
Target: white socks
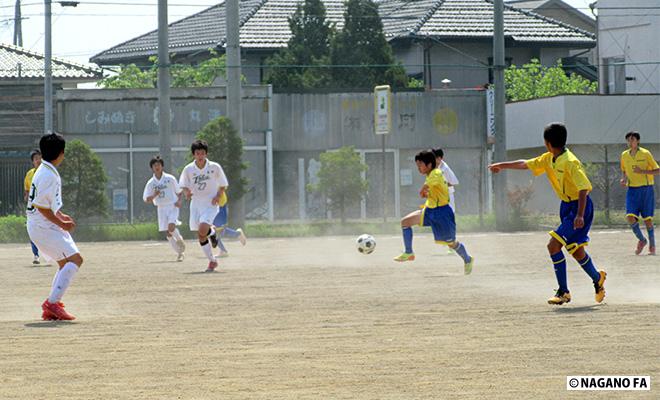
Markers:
(173, 243)
(62, 280)
(176, 235)
(208, 251)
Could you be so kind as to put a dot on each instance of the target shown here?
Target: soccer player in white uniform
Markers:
(450, 178)
(449, 175)
(204, 182)
(49, 228)
(163, 191)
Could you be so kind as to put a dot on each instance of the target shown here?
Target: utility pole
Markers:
(234, 95)
(164, 128)
(18, 26)
(499, 154)
(48, 71)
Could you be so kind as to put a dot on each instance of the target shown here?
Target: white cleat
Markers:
(223, 254)
(35, 260)
(242, 238)
(180, 257)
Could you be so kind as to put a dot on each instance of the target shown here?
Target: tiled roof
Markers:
(19, 63)
(264, 25)
(198, 32)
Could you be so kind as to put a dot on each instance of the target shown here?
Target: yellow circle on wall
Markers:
(445, 121)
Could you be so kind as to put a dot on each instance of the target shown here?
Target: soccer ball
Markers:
(366, 244)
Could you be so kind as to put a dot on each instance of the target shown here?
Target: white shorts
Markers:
(202, 214)
(167, 215)
(53, 242)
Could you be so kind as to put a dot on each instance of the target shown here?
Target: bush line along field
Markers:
(12, 228)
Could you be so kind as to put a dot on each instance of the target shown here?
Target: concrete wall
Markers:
(594, 123)
(304, 126)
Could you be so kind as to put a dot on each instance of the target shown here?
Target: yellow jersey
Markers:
(438, 190)
(28, 179)
(644, 160)
(565, 173)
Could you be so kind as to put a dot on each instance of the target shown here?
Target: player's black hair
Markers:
(33, 153)
(199, 145)
(427, 157)
(51, 146)
(438, 153)
(633, 134)
(556, 135)
(156, 159)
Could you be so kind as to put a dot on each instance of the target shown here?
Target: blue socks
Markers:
(651, 232)
(588, 267)
(407, 240)
(637, 231)
(35, 251)
(460, 250)
(559, 262)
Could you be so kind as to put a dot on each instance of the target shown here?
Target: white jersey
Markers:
(167, 186)
(449, 176)
(45, 192)
(203, 183)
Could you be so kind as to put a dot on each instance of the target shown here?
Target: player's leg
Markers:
(632, 212)
(407, 222)
(647, 214)
(559, 263)
(53, 308)
(597, 277)
(206, 217)
(35, 253)
(203, 235)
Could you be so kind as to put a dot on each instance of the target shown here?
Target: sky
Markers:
(96, 25)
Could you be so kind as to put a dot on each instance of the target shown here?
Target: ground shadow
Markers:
(49, 324)
(204, 273)
(576, 310)
(37, 266)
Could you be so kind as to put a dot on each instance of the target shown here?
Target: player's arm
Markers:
(518, 164)
(578, 222)
(624, 178)
(424, 191)
(184, 183)
(67, 223)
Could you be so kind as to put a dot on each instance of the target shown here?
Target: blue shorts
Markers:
(221, 217)
(572, 238)
(640, 201)
(442, 223)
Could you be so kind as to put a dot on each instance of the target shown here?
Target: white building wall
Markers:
(631, 34)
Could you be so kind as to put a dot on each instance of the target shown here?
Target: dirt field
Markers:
(312, 318)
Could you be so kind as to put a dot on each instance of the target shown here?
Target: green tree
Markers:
(340, 179)
(362, 42)
(182, 75)
(301, 63)
(533, 81)
(226, 148)
(83, 181)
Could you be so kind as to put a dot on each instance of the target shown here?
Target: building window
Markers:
(615, 75)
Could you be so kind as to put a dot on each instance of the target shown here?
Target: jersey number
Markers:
(33, 194)
(201, 186)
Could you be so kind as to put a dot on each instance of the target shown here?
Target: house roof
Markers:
(19, 63)
(539, 5)
(264, 25)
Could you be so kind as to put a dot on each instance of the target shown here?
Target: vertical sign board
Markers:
(382, 109)
(383, 125)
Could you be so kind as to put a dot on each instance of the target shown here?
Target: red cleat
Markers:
(651, 250)
(212, 266)
(640, 246)
(56, 310)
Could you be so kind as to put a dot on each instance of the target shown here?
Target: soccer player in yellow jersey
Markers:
(570, 183)
(639, 167)
(35, 157)
(436, 213)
